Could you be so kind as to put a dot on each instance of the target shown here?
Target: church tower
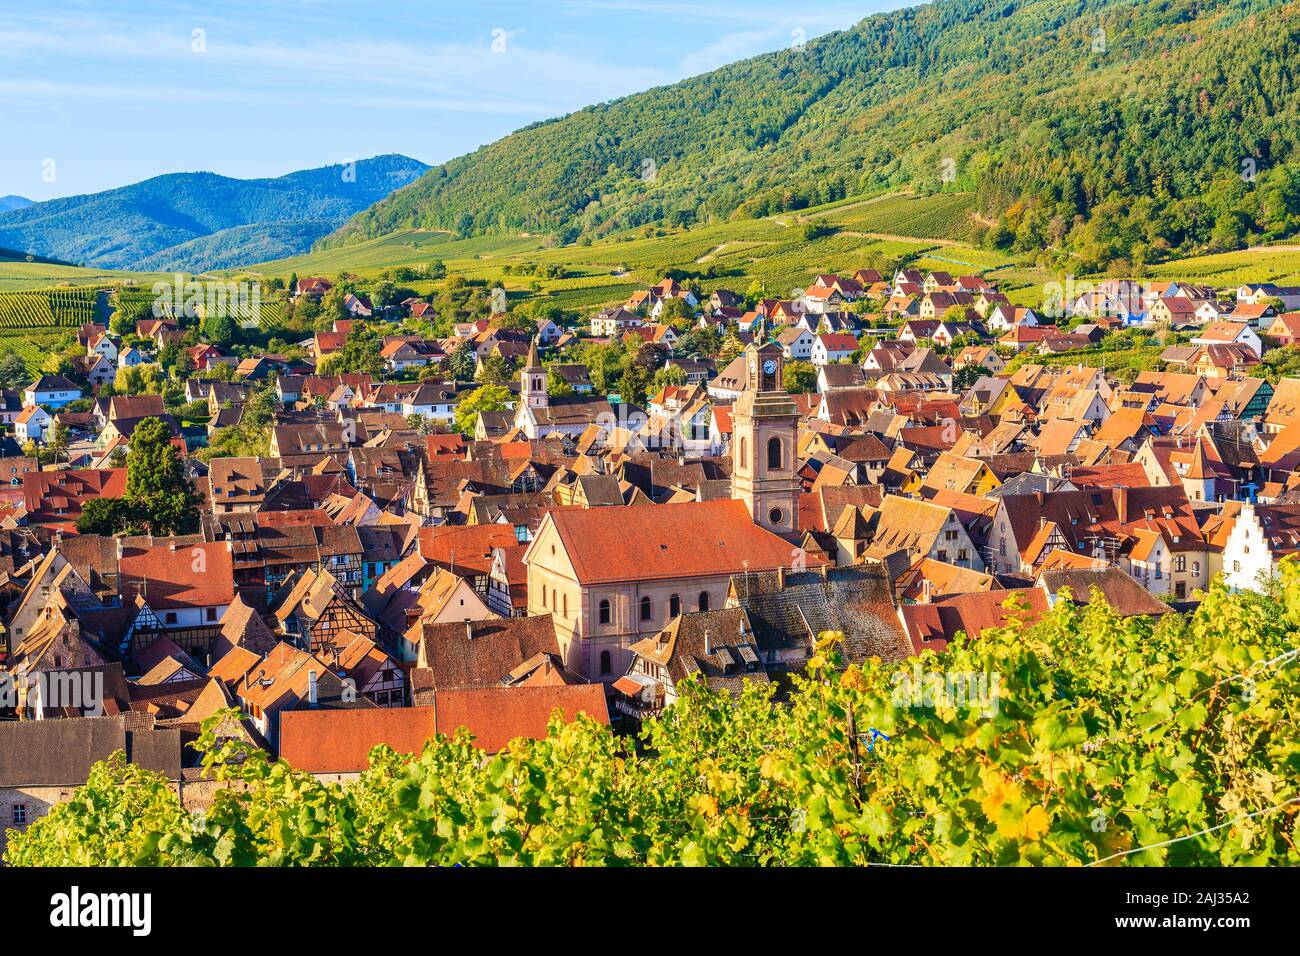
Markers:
(765, 430)
(532, 381)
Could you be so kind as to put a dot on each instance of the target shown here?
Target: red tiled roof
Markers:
(340, 741)
(498, 715)
(197, 575)
(692, 539)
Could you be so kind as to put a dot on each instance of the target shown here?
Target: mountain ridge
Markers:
(184, 221)
(1047, 109)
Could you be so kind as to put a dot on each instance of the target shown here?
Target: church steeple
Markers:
(765, 426)
(532, 380)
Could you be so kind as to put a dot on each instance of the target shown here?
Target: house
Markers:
(43, 762)
(797, 343)
(1261, 536)
(1257, 293)
(719, 647)
(833, 347)
(314, 287)
(32, 424)
(615, 321)
(921, 529)
(52, 390)
(1230, 333)
(290, 679)
(95, 369)
(1284, 329)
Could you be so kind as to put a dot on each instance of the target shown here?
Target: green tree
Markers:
(485, 398)
(13, 371)
(155, 481)
(557, 386)
(799, 377)
(495, 369)
(220, 330)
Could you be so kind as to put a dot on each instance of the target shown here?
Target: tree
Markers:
(669, 375)
(155, 481)
(360, 353)
(13, 372)
(799, 377)
(557, 386)
(59, 440)
(220, 330)
(485, 398)
(731, 347)
(106, 516)
(495, 369)
(460, 364)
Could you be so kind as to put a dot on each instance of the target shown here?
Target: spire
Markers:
(533, 361)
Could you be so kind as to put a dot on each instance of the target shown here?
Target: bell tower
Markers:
(532, 380)
(765, 431)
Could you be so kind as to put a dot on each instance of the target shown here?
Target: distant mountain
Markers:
(197, 221)
(14, 202)
(1089, 130)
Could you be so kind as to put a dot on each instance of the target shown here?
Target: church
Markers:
(540, 415)
(610, 577)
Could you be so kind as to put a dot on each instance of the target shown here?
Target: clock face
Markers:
(769, 367)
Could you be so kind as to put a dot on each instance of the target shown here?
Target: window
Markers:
(565, 612)
(744, 447)
(543, 597)
(603, 612)
(1196, 567)
(171, 617)
(775, 515)
(674, 606)
(704, 600)
(210, 613)
(605, 664)
(645, 608)
(774, 453)
(20, 814)
(1180, 563)
(1236, 565)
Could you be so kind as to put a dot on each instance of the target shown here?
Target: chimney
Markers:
(1121, 504)
(311, 688)
(708, 643)
(926, 591)
(119, 548)
(469, 630)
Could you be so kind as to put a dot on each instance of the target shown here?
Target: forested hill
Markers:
(199, 221)
(1095, 128)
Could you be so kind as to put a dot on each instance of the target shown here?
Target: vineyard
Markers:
(33, 347)
(49, 308)
(941, 216)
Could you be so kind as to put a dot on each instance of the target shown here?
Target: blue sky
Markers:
(96, 95)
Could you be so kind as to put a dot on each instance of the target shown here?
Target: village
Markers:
(900, 459)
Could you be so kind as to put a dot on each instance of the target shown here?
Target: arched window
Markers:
(605, 663)
(674, 606)
(774, 453)
(543, 597)
(704, 600)
(645, 608)
(604, 612)
(565, 599)
(744, 448)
